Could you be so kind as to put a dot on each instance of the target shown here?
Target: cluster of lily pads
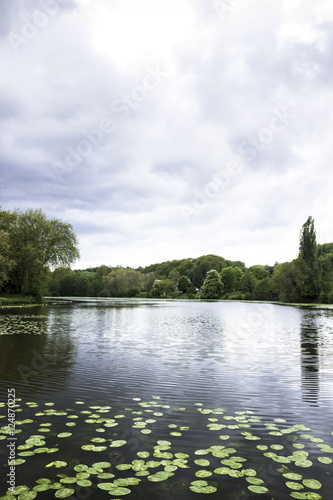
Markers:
(15, 324)
(142, 444)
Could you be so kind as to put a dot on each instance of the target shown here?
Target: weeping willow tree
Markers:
(35, 243)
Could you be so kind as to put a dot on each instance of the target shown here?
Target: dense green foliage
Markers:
(308, 278)
(183, 284)
(29, 245)
(212, 287)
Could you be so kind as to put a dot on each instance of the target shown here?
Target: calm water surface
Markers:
(254, 369)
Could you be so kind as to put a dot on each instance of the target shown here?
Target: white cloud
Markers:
(181, 109)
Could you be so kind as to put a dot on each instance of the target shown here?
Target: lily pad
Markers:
(293, 476)
(80, 467)
(258, 489)
(202, 462)
(294, 486)
(27, 495)
(101, 465)
(85, 483)
(64, 493)
(325, 460)
(312, 483)
(106, 486)
(203, 473)
(57, 464)
(119, 492)
(117, 444)
(159, 476)
(196, 488)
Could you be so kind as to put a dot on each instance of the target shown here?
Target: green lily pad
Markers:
(68, 480)
(277, 447)
(64, 493)
(101, 465)
(254, 480)
(202, 462)
(57, 464)
(17, 490)
(117, 444)
(306, 495)
(27, 495)
(304, 463)
(64, 434)
(105, 475)
(294, 477)
(83, 475)
(106, 486)
(123, 466)
(17, 461)
(159, 476)
(85, 483)
(119, 492)
(312, 483)
(222, 470)
(203, 473)
(202, 489)
(151, 464)
(258, 489)
(294, 486)
(80, 467)
(43, 480)
(41, 487)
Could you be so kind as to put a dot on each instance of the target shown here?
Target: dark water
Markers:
(196, 364)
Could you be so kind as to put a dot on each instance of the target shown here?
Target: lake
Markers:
(168, 400)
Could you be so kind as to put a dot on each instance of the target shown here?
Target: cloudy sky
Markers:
(166, 129)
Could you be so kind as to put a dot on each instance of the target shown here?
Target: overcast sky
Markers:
(166, 129)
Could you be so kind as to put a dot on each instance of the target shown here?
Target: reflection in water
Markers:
(37, 354)
(310, 358)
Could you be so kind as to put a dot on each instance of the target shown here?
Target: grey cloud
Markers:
(14, 13)
(165, 151)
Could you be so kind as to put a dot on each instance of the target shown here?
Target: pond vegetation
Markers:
(116, 451)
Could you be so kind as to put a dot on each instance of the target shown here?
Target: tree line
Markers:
(306, 279)
(36, 254)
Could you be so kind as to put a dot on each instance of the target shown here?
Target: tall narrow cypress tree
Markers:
(308, 242)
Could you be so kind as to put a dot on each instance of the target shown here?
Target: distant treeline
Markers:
(307, 279)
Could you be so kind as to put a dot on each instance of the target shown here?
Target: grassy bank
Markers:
(14, 299)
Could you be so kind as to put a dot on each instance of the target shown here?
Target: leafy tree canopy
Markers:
(183, 283)
(36, 243)
(212, 287)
